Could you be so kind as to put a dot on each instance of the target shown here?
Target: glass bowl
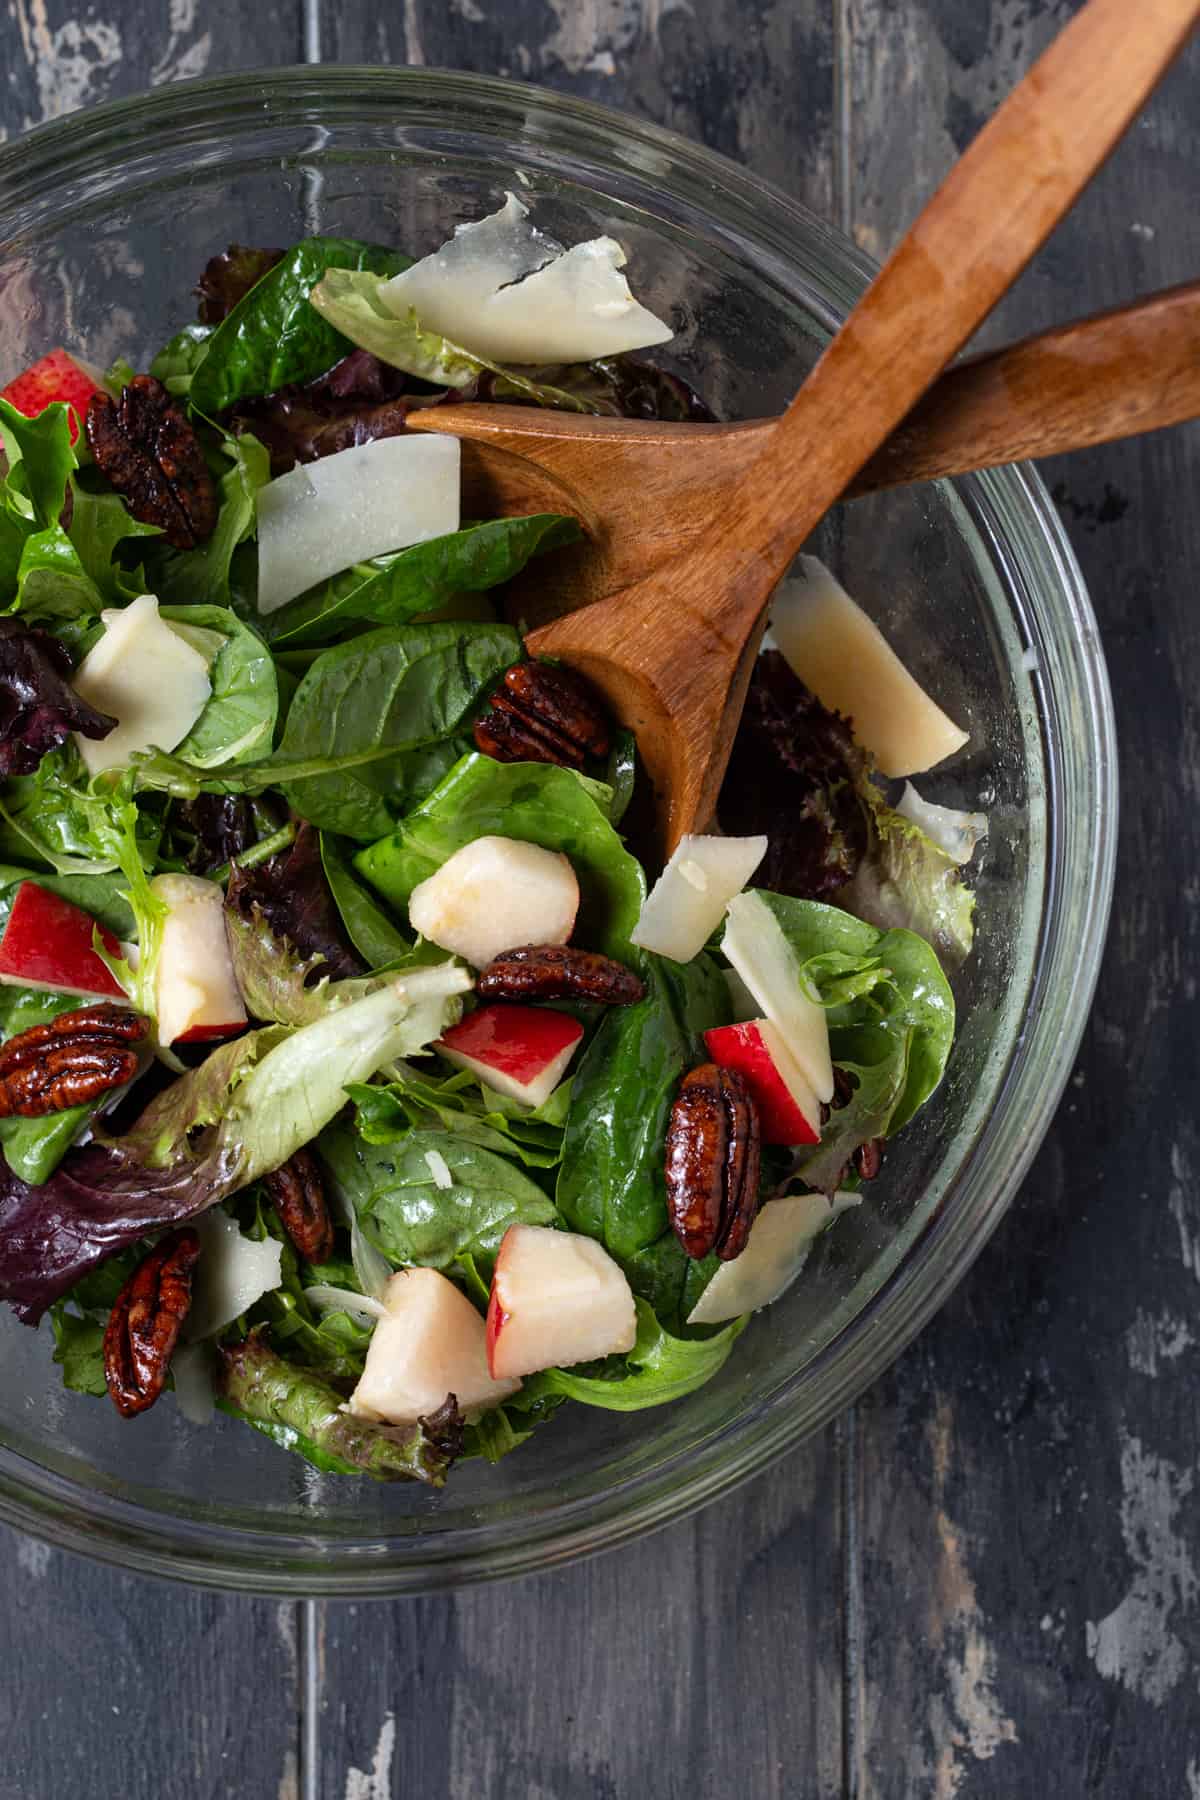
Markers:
(106, 219)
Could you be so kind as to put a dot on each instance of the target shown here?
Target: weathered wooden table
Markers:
(985, 1580)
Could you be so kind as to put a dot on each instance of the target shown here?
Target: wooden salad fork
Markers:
(695, 525)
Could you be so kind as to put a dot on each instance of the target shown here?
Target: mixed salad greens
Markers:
(239, 741)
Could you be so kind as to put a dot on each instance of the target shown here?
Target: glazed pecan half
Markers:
(146, 448)
(559, 972)
(144, 1325)
(298, 1195)
(544, 713)
(69, 1061)
(712, 1162)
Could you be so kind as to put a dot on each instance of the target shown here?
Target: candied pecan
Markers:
(544, 713)
(712, 1162)
(298, 1195)
(867, 1158)
(69, 1061)
(151, 455)
(143, 1327)
(559, 972)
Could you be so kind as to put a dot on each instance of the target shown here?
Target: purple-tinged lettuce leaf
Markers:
(228, 278)
(38, 706)
(293, 896)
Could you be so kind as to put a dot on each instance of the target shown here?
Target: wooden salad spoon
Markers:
(672, 648)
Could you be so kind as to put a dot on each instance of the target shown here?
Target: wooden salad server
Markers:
(710, 528)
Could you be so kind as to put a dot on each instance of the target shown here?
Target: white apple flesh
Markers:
(778, 1248)
(148, 678)
(842, 655)
(788, 1110)
(323, 516)
(684, 907)
(196, 991)
(494, 894)
(756, 946)
(431, 1342)
(557, 1298)
(520, 1051)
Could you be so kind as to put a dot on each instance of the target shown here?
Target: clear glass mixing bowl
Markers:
(106, 219)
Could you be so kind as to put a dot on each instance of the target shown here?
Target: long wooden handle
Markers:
(1113, 375)
(996, 207)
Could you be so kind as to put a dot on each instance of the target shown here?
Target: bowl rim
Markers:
(1063, 982)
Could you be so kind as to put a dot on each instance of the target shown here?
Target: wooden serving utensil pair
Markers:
(690, 527)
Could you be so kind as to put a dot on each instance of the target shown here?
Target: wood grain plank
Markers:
(752, 78)
(701, 1662)
(119, 1688)
(1028, 1512)
(58, 56)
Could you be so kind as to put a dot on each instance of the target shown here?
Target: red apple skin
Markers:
(497, 1319)
(204, 1034)
(48, 942)
(56, 376)
(741, 1047)
(517, 1040)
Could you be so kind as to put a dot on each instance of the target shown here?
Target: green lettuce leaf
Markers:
(42, 448)
(353, 303)
(907, 880)
(536, 802)
(273, 337)
(239, 720)
(378, 940)
(100, 521)
(52, 583)
(178, 360)
(412, 1102)
(419, 579)
(660, 1368)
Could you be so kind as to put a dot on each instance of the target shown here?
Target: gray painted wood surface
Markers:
(986, 1581)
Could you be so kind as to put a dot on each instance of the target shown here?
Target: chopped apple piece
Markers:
(684, 907)
(431, 1342)
(754, 943)
(47, 944)
(788, 1110)
(521, 1051)
(842, 655)
(196, 991)
(153, 683)
(557, 1298)
(55, 376)
(778, 1248)
(494, 894)
(505, 290)
(323, 516)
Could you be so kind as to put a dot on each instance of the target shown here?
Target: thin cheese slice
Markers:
(685, 905)
(842, 655)
(321, 517)
(780, 1240)
(142, 673)
(756, 946)
(506, 291)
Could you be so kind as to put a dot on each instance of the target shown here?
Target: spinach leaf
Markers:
(100, 521)
(13, 532)
(621, 774)
(392, 690)
(405, 1213)
(273, 337)
(239, 719)
(42, 448)
(52, 582)
(610, 1185)
(354, 304)
(658, 1369)
(202, 577)
(419, 579)
(413, 1102)
(536, 802)
(378, 941)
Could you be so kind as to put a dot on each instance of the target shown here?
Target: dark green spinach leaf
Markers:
(239, 720)
(658, 1369)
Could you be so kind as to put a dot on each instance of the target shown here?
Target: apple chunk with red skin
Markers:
(520, 1051)
(55, 376)
(47, 944)
(557, 1298)
(196, 992)
(788, 1110)
(430, 1342)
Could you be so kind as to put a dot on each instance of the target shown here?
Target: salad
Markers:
(355, 1075)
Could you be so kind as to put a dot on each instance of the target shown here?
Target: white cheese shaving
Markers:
(957, 833)
(694, 875)
(363, 1308)
(232, 1273)
(439, 1168)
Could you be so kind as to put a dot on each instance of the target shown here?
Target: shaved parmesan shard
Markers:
(957, 833)
(321, 517)
(233, 1272)
(684, 906)
(842, 655)
(504, 290)
(153, 683)
(778, 1248)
